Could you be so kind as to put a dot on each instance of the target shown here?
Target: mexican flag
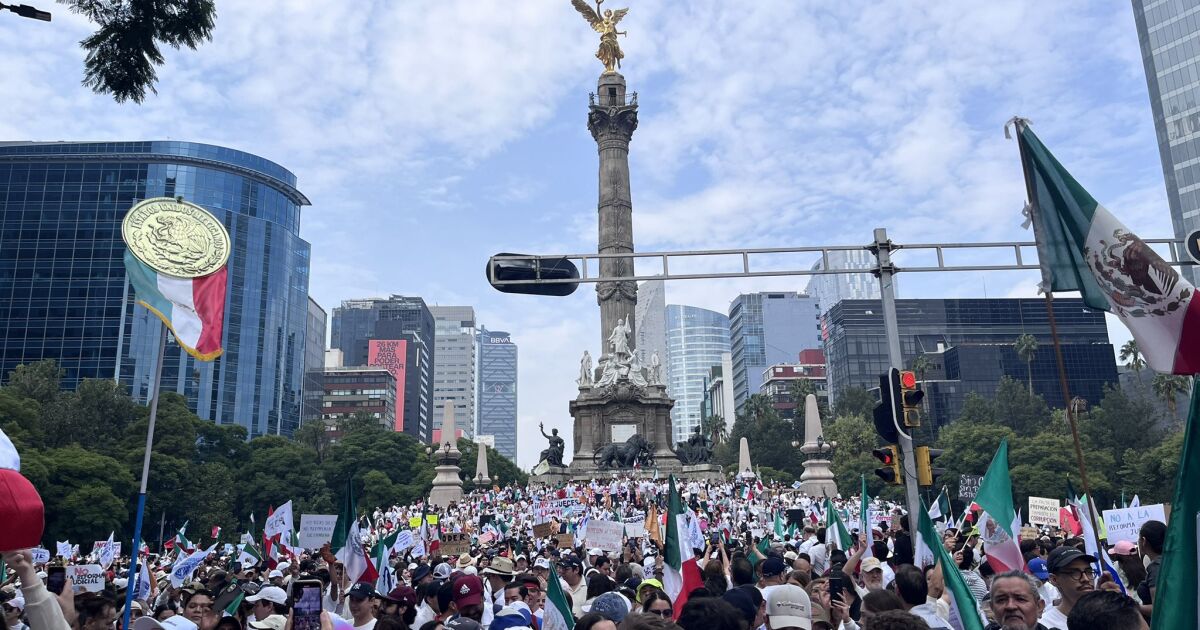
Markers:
(779, 532)
(1175, 601)
(381, 553)
(347, 545)
(964, 614)
(181, 540)
(1000, 527)
(557, 614)
(193, 308)
(249, 555)
(864, 517)
(1082, 247)
(941, 507)
(681, 574)
(835, 530)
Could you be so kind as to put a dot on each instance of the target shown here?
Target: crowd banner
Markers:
(1124, 523)
(316, 530)
(87, 578)
(605, 535)
(1043, 511)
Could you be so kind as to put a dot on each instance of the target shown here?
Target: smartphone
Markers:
(56, 578)
(835, 589)
(306, 604)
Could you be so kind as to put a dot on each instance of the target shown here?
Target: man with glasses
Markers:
(1074, 575)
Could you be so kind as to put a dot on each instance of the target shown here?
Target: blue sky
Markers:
(431, 134)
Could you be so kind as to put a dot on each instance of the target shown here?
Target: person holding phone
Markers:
(41, 608)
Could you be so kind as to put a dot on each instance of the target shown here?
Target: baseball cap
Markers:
(441, 571)
(740, 600)
(788, 606)
(360, 590)
(275, 573)
(176, 622)
(570, 561)
(273, 594)
(402, 595)
(272, 622)
(595, 551)
(1037, 567)
(1123, 548)
(1063, 556)
(462, 623)
(611, 605)
(791, 556)
(541, 563)
(468, 591)
(773, 566)
(871, 564)
(509, 617)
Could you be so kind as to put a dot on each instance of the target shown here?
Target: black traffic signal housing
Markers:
(927, 475)
(890, 402)
(910, 398)
(501, 270)
(890, 471)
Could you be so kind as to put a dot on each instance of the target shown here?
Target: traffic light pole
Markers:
(882, 248)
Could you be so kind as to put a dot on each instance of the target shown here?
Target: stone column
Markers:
(612, 119)
(447, 485)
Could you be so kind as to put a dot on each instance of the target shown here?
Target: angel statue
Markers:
(605, 23)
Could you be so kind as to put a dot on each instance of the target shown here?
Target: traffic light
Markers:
(910, 399)
(927, 475)
(890, 472)
(502, 269)
(27, 11)
(889, 403)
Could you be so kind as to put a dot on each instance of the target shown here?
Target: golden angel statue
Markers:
(605, 23)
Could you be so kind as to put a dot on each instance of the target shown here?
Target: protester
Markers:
(910, 585)
(657, 603)
(1106, 609)
(1015, 602)
(1073, 574)
(1151, 538)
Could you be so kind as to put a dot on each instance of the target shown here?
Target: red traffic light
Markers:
(908, 380)
(885, 455)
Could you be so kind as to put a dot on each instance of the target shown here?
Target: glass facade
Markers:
(768, 329)
(498, 390)
(650, 320)
(1169, 35)
(454, 370)
(696, 339)
(314, 361)
(969, 344)
(64, 296)
(833, 288)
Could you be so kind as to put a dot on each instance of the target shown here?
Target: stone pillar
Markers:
(481, 471)
(612, 119)
(744, 470)
(817, 478)
(447, 485)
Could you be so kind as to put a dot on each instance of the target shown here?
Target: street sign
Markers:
(1192, 245)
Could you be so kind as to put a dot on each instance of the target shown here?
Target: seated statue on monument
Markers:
(697, 450)
(554, 453)
(635, 450)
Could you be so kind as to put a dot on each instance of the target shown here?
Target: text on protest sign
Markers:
(63, 549)
(455, 543)
(635, 526)
(543, 530)
(279, 521)
(316, 530)
(99, 546)
(1125, 523)
(1043, 511)
(404, 541)
(605, 535)
(566, 541)
(40, 555)
(87, 577)
(968, 487)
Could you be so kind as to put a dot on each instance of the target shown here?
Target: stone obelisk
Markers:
(817, 478)
(481, 471)
(744, 469)
(612, 118)
(447, 485)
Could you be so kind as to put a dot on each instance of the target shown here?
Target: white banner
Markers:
(280, 521)
(605, 535)
(87, 577)
(1124, 523)
(316, 529)
(635, 526)
(184, 567)
(1043, 511)
(40, 555)
(99, 545)
(404, 540)
(63, 548)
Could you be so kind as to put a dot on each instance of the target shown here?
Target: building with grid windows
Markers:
(497, 397)
(454, 370)
(829, 289)
(314, 361)
(766, 329)
(1169, 35)
(64, 295)
(696, 340)
(969, 346)
(347, 391)
(650, 321)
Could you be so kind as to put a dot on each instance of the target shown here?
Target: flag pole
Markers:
(1019, 124)
(141, 506)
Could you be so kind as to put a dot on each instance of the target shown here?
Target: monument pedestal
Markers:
(614, 413)
(817, 478)
(703, 472)
(556, 476)
(447, 486)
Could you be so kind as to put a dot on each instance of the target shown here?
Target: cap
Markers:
(420, 573)
(740, 600)
(570, 561)
(595, 551)
(500, 566)
(611, 605)
(1123, 548)
(441, 571)
(1063, 556)
(871, 564)
(176, 622)
(541, 563)
(464, 561)
(18, 601)
(791, 556)
(788, 606)
(402, 595)
(510, 617)
(468, 591)
(361, 590)
(273, 594)
(272, 622)
(21, 508)
(275, 573)
(773, 566)
(462, 623)
(1037, 567)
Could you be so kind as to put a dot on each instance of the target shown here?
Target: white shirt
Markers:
(370, 625)
(928, 613)
(425, 614)
(1054, 619)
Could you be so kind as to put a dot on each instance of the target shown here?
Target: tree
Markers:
(769, 437)
(278, 470)
(1152, 472)
(856, 438)
(38, 381)
(1132, 356)
(1168, 387)
(714, 427)
(89, 497)
(94, 413)
(855, 401)
(1027, 347)
(123, 52)
(501, 470)
(315, 435)
(1019, 408)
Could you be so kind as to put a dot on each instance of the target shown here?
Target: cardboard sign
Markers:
(99, 546)
(1124, 523)
(63, 549)
(404, 540)
(87, 577)
(316, 530)
(1043, 511)
(566, 541)
(635, 526)
(968, 487)
(486, 537)
(455, 543)
(605, 535)
(544, 530)
(40, 555)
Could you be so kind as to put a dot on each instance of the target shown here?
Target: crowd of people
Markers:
(764, 557)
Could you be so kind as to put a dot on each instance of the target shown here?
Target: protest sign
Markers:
(1043, 511)
(566, 541)
(63, 549)
(635, 526)
(40, 555)
(968, 487)
(796, 485)
(404, 540)
(455, 543)
(486, 537)
(87, 577)
(316, 529)
(99, 545)
(542, 530)
(605, 535)
(279, 521)
(1124, 523)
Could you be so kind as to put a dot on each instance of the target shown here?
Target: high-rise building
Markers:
(454, 370)
(497, 399)
(718, 394)
(1167, 33)
(314, 361)
(360, 330)
(968, 346)
(64, 295)
(696, 339)
(829, 289)
(769, 328)
(779, 382)
(650, 321)
(347, 391)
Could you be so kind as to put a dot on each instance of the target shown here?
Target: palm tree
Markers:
(714, 427)
(1027, 347)
(1167, 387)
(1132, 356)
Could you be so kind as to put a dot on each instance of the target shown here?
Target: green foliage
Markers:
(1151, 472)
(770, 475)
(855, 401)
(1014, 406)
(852, 459)
(769, 437)
(501, 470)
(37, 381)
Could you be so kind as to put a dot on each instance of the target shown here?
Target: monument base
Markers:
(817, 479)
(614, 414)
(556, 476)
(447, 485)
(703, 472)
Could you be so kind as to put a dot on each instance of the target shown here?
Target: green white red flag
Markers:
(964, 614)
(193, 308)
(1176, 604)
(1001, 524)
(681, 574)
(557, 614)
(346, 543)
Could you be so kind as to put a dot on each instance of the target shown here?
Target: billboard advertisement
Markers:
(390, 354)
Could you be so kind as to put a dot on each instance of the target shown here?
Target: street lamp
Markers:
(24, 10)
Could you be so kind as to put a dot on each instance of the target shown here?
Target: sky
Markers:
(431, 134)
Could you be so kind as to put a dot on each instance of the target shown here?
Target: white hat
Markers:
(788, 606)
(273, 594)
(175, 622)
(471, 571)
(272, 622)
(283, 566)
(595, 551)
(120, 582)
(441, 571)
(18, 601)
(275, 573)
(412, 566)
(541, 563)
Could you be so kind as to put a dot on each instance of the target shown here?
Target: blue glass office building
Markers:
(696, 339)
(64, 296)
(497, 394)
(769, 329)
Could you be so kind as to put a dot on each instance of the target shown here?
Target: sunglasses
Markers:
(661, 613)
